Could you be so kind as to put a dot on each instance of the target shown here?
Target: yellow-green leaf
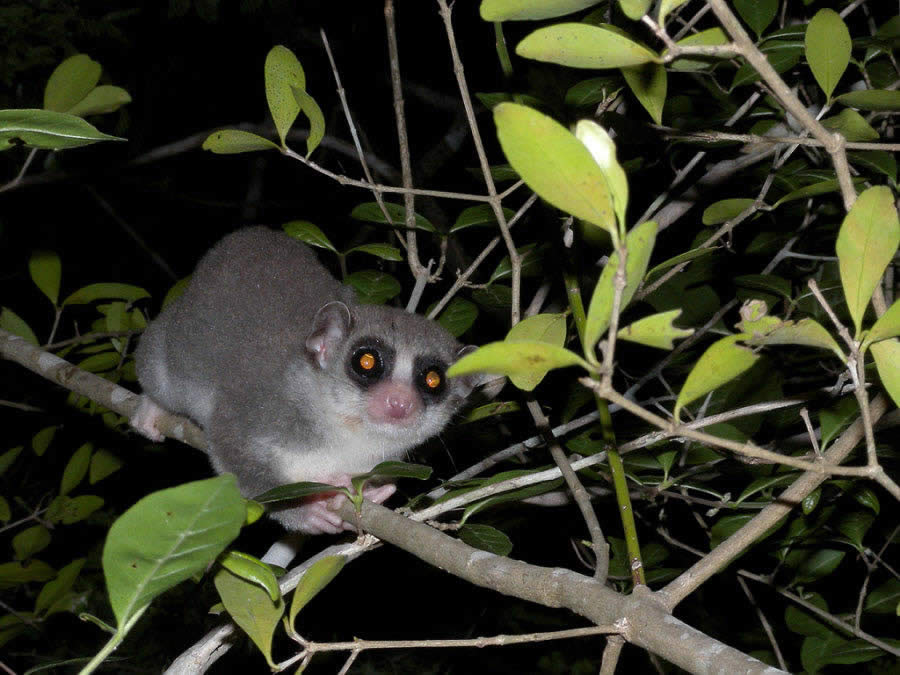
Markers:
(283, 71)
(316, 119)
(656, 330)
(555, 164)
(76, 469)
(308, 233)
(828, 48)
(639, 243)
(548, 328)
(70, 82)
(251, 608)
(46, 272)
(711, 37)
(100, 291)
(603, 150)
(15, 324)
(886, 327)
(252, 569)
(723, 361)
(724, 210)
(318, 576)
(852, 126)
(103, 464)
(103, 99)
(31, 541)
(667, 6)
(876, 100)
(47, 129)
(634, 9)
(887, 360)
(234, 141)
(866, 243)
(806, 332)
(516, 358)
(648, 82)
(530, 10)
(580, 45)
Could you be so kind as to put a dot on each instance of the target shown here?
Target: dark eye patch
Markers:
(369, 361)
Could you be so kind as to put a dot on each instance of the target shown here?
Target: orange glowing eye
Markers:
(367, 361)
(432, 380)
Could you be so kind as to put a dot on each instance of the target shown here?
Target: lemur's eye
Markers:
(367, 364)
(431, 380)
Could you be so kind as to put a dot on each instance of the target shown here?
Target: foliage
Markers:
(703, 291)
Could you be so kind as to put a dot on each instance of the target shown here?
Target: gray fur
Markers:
(231, 354)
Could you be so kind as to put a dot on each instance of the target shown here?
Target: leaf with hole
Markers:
(166, 538)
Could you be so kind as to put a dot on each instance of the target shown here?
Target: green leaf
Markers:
(884, 598)
(768, 283)
(76, 469)
(516, 358)
(800, 621)
(649, 83)
(383, 251)
(47, 129)
(516, 495)
(482, 214)
(726, 526)
(530, 257)
(103, 464)
(313, 113)
(807, 332)
(167, 537)
(603, 150)
(8, 457)
(5, 511)
(726, 209)
(656, 330)
(252, 569)
(634, 9)
(867, 498)
(593, 91)
(757, 14)
(283, 71)
(70, 82)
(876, 100)
(879, 161)
(887, 326)
(116, 291)
(765, 484)
(31, 541)
(101, 100)
(371, 212)
(851, 125)
(711, 37)
(294, 491)
(639, 244)
(458, 316)
(68, 510)
(666, 6)
(486, 538)
(657, 271)
(530, 10)
(782, 56)
(854, 526)
(490, 409)
(580, 45)
(305, 231)
(547, 328)
(42, 439)
(251, 608)
(723, 361)
(234, 141)
(887, 360)
(255, 511)
(56, 589)
(828, 48)
(835, 419)
(13, 323)
(553, 163)
(318, 576)
(811, 501)
(395, 469)
(819, 565)
(14, 573)
(373, 287)
(46, 272)
(866, 243)
(813, 190)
